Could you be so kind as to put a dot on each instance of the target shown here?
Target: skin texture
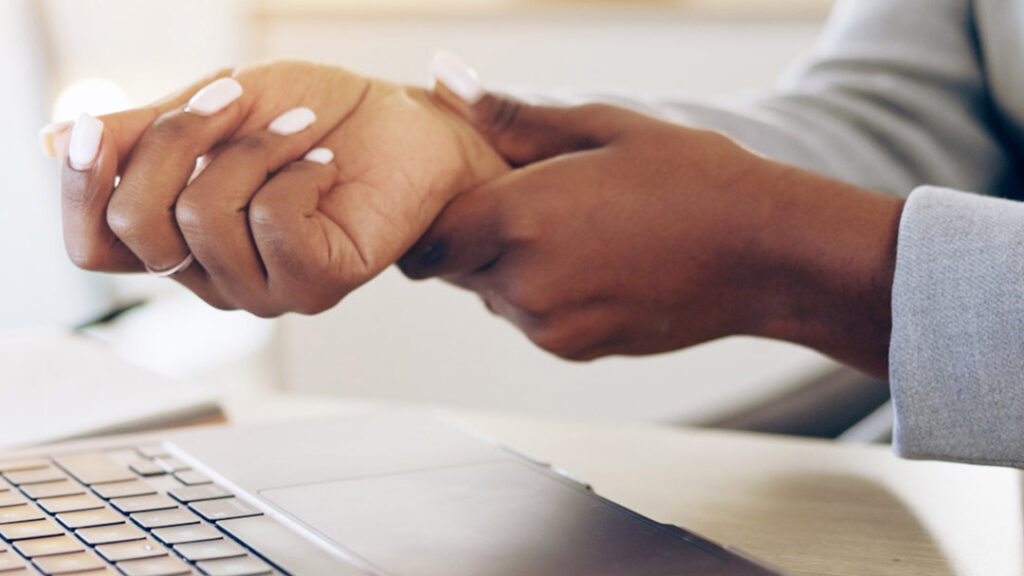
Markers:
(272, 233)
(622, 234)
(616, 233)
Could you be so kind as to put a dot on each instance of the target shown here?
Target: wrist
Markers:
(828, 251)
(475, 160)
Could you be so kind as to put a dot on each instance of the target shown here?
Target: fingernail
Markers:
(85, 142)
(46, 135)
(433, 255)
(214, 97)
(292, 121)
(319, 155)
(450, 70)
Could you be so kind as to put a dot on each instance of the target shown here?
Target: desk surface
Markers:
(810, 508)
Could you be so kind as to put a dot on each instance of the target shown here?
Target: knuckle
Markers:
(315, 304)
(536, 301)
(264, 213)
(554, 339)
(264, 311)
(87, 256)
(191, 214)
(583, 355)
(219, 303)
(124, 218)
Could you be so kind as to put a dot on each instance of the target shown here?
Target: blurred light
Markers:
(93, 95)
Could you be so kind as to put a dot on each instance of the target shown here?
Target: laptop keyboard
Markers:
(135, 512)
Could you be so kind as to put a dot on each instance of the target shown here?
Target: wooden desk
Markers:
(810, 508)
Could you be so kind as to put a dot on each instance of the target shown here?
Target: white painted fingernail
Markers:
(214, 97)
(319, 155)
(85, 142)
(47, 134)
(292, 121)
(450, 70)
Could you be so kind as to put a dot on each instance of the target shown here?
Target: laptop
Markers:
(387, 493)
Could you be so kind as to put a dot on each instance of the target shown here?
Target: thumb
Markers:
(466, 236)
(522, 133)
(126, 127)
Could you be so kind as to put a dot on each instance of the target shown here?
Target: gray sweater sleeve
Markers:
(957, 351)
(895, 98)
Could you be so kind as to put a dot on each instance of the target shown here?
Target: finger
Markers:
(127, 126)
(305, 253)
(87, 180)
(86, 186)
(579, 332)
(521, 132)
(477, 227)
(212, 211)
(140, 212)
(466, 237)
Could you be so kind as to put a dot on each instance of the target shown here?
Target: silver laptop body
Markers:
(391, 493)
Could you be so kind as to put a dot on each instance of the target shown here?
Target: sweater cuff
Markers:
(957, 351)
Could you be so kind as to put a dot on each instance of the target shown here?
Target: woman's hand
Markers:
(622, 234)
(271, 230)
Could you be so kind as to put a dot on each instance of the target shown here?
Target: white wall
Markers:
(428, 342)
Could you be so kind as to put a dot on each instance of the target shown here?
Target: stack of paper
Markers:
(57, 386)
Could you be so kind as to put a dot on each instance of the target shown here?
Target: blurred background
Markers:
(392, 340)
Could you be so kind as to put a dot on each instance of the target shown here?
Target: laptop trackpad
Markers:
(494, 519)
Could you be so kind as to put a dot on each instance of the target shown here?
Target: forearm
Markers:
(827, 254)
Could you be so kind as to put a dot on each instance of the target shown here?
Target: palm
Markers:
(401, 157)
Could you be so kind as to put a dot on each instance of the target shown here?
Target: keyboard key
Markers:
(110, 534)
(172, 464)
(223, 509)
(69, 563)
(245, 566)
(10, 561)
(186, 534)
(31, 529)
(35, 475)
(49, 546)
(165, 518)
(20, 513)
(162, 566)
(212, 550)
(27, 464)
(70, 503)
(123, 489)
(134, 550)
(152, 451)
(191, 477)
(10, 498)
(94, 468)
(147, 468)
(90, 518)
(199, 493)
(53, 489)
(144, 503)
